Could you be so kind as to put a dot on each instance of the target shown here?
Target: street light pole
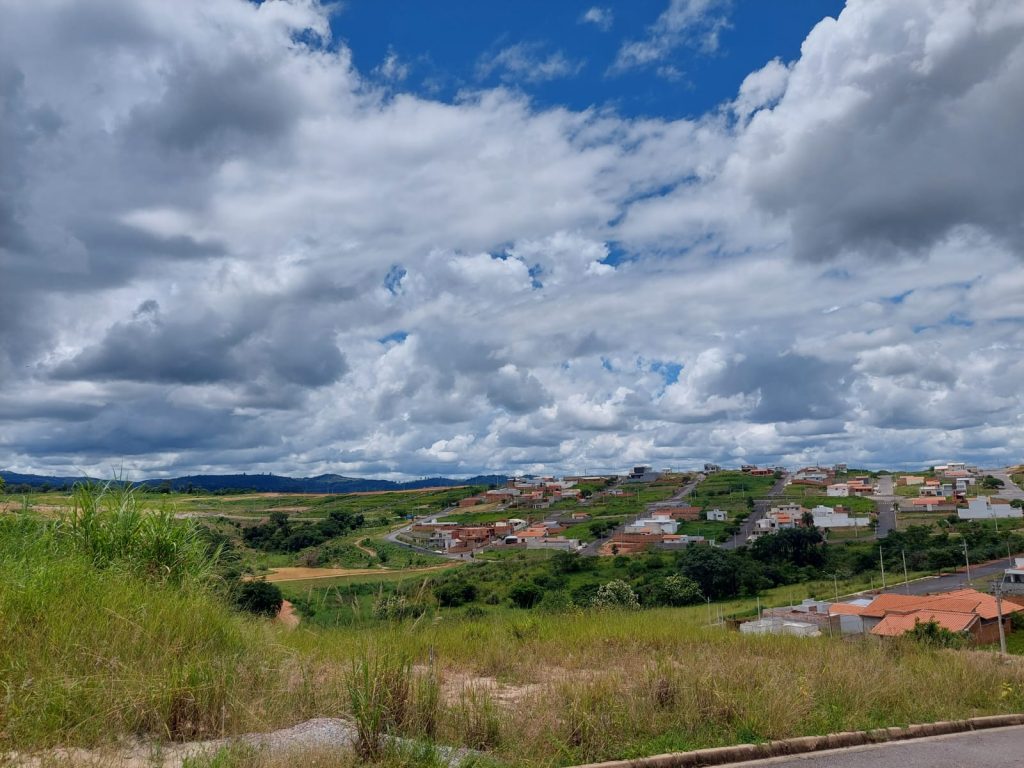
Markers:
(967, 560)
(999, 611)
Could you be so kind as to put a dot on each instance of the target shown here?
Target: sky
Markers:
(404, 239)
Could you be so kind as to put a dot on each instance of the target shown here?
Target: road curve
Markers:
(995, 748)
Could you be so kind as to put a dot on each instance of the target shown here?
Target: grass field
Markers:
(101, 650)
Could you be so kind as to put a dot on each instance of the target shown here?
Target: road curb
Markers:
(807, 744)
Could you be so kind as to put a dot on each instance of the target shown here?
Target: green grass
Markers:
(730, 491)
(99, 652)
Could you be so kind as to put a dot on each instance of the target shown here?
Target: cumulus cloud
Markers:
(223, 247)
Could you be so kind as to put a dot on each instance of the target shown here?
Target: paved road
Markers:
(1010, 490)
(761, 507)
(981, 575)
(995, 748)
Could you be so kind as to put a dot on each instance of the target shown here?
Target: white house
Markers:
(717, 515)
(826, 517)
(838, 489)
(653, 525)
(983, 508)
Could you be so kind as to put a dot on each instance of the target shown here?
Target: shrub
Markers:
(455, 592)
(674, 590)
(259, 597)
(525, 594)
(616, 594)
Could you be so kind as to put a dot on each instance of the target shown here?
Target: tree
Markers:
(616, 594)
(525, 594)
(674, 590)
(454, 592)
(2, 484)
(259, 597)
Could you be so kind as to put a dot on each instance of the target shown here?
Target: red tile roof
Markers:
(897, 624)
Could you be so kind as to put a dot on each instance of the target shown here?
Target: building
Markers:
(710, 469)
(839, 517)
(910, 480)
(932, 504)
(674, 509)
(985, 508)
(776, 626)
(838, 490)
(963, 611)
(657, 523)
(809, 611)
(717, 515)
(553, 542)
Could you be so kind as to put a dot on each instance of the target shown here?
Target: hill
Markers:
(265, 483)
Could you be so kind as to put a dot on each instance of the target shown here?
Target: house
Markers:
(838, 490)
(674, 510)
(963, 610)
(762, 472)
(1013, 578)
(710, 469)
(748, 467)
(553, 542)
(654, 524)
(932, 504)
(839, 469)
(985, 508)
(717, 515)
(910, 480)
(470, 501)
(827, 517)
(814, 474)
(860, 487)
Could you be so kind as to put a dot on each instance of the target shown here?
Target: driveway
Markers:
(995, 748)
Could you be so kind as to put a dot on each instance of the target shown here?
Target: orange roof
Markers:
(923, 501)
(896, 624)
(965, 601)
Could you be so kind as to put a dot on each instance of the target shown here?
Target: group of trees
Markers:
(280, 534)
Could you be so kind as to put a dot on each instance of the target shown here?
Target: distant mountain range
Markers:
(266, 483)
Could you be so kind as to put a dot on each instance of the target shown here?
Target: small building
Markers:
(827, 517)
(717, 515)
(985, 508)
(838, 490)
(553, 542)
(910, 480)
(777, 626)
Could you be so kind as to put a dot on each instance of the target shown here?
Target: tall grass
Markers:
(103, 637)
(107, 525)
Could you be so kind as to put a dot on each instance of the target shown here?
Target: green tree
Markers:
(616, 594)
(259, 597)
(674, 590)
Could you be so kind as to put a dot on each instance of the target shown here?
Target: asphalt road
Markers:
(761, 507)
(1010, 490)
(981, 575)
(995, 748)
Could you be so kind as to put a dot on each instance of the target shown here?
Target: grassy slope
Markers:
(90, 656)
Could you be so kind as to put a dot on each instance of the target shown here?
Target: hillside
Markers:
(264, 483)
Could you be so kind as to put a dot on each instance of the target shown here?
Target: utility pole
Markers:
(999, 611)
(835, 581)
(906, 579)
(967, 560)
(881, 562)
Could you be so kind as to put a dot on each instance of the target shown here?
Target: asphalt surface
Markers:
(1010, 490)
(995, 748)
(981, 575)
(761, 507)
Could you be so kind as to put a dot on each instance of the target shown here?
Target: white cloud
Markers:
(527, 62)
(600, 17)
(684, 22)
(315, 273)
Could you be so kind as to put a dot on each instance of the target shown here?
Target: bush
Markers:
(616, 594)
(455, 592)
(525, 594)
(259, 597)
(674, 591)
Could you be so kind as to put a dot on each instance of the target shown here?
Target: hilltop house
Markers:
(985, 508)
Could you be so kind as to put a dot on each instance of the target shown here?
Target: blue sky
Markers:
(445, 43)
(419, 238)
